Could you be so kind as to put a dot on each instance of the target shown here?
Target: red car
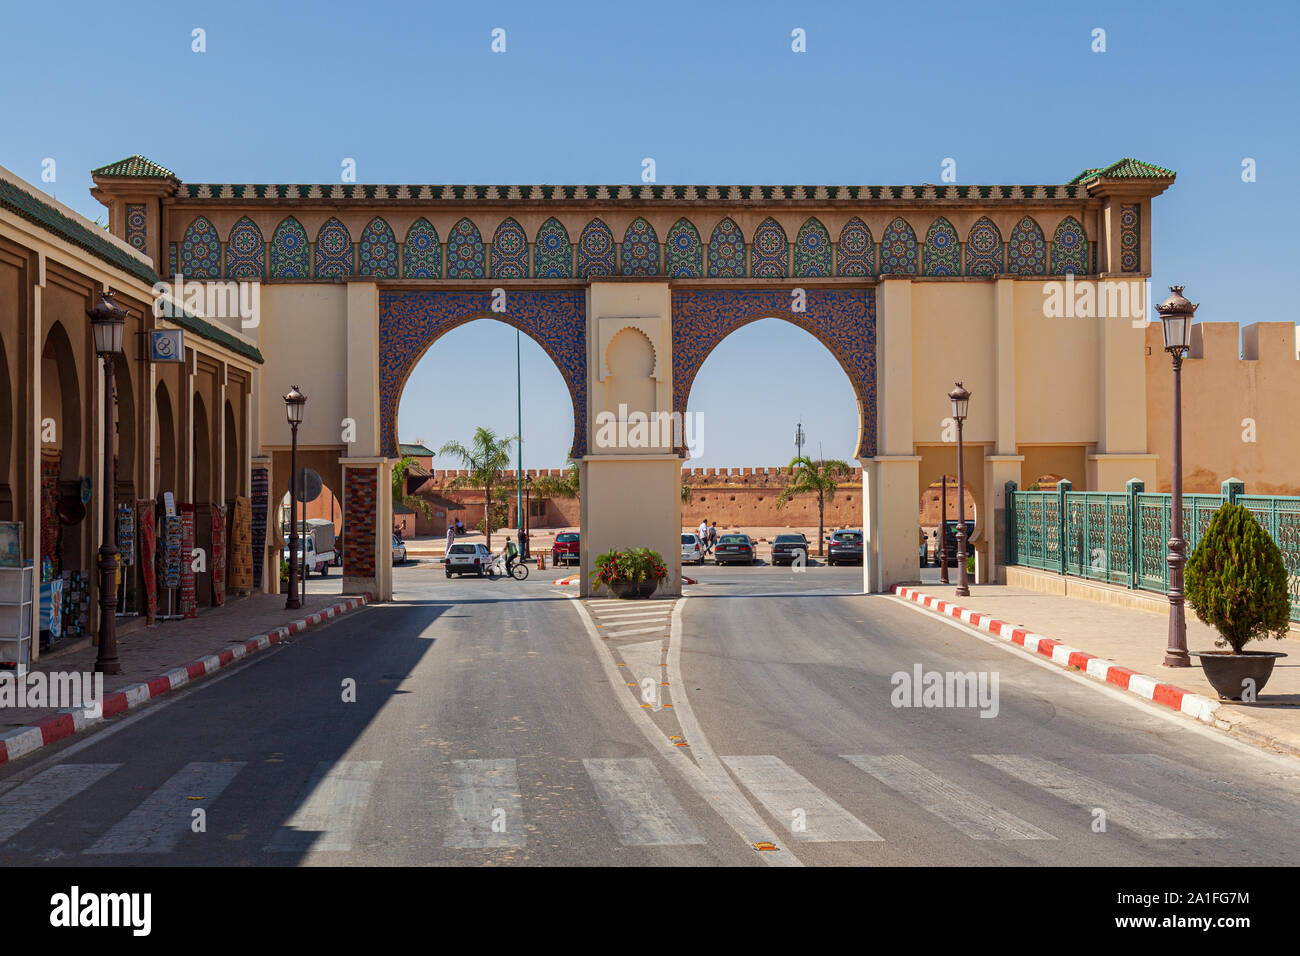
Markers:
(565, 550)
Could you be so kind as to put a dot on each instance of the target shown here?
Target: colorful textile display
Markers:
(189, 597)
(51, 464)
(144, 508)
(125, 536)
(258, 518)
(76, 603)
(169, 557)
(218, 564)
(241, 557)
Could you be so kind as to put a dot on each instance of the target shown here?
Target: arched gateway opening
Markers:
(413, 325)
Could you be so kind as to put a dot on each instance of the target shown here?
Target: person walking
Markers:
(713, 536)
(451, 537)
(703, 532)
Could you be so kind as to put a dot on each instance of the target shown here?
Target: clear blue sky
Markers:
(711, 91)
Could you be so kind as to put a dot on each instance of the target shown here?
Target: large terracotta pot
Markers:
(1227, 672)
(634, 589)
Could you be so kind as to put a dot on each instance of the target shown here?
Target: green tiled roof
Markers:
(1126, 168)
(42, 214)
(417, 451)
(93, 241)
(136, 165)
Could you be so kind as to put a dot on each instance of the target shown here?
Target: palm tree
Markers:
(485, 459)
(814, 478)
(549, 486)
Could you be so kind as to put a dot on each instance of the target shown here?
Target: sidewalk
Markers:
(1135, 641)
(158, 659)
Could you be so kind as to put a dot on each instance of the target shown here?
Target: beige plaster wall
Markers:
(303, 336)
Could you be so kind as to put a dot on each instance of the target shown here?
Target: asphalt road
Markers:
(486, 731)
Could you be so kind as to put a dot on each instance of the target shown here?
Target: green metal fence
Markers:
(1123, 538)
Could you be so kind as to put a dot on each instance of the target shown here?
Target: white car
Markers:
(468, 559)
(692, 550)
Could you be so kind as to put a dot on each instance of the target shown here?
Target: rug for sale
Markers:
(242, 556)
(144, 507)
(261, 492)
(218, 565)
(189, 596)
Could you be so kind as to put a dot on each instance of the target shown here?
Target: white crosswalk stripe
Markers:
(28, 802)
(633, 631)
(158, 824)
(620, 615)
(485, 805)
(331, 810)
(959, 808)
(639, 805)
(645, 661)
(809, 815)
(1121, 807)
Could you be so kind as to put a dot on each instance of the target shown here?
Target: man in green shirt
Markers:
(512, 552)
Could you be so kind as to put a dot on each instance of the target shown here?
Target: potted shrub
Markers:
(634, 573)
(1237, 583)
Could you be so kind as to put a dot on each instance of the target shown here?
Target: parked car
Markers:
(692, 549)
(565, 550)
(950, 540)
(786, 546)
(845, 547)
(399, 551)
(734, 548)
(468, 559)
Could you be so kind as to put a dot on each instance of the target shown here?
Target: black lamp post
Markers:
(960, 399)
(1176, 318)
(107, 319)
(294, 402)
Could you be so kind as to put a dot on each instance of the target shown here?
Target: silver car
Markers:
(692, 550)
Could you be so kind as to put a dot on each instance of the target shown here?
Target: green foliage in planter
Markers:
(1236, 581)
(633, 564)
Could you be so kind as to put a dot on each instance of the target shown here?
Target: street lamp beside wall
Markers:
(107, 319)
(1176, 315)
(960, 399)
(294, 402)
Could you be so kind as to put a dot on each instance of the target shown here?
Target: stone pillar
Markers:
(367, 524)
(890, 481)
(630, 477)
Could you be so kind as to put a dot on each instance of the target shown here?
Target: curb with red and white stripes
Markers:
(24, 740)
(1149, 688)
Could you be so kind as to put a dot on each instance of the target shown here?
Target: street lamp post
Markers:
(960, 399)
(107, 320)
(294, 401)
(1176, 315)
(523, 522)
(943, 531)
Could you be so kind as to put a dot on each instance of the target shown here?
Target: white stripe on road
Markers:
(956, 807)
(27, 803)
(645, 661)
(809, 815)
(613, 623)
(663, 611)
(485, 805)
(639, 805)
(633, 631)
(158, 824)
(331, 810)
(1121, 807)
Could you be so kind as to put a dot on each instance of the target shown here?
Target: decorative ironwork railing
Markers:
(1123, 538)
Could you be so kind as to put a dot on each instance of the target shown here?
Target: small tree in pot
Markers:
(1237, 583)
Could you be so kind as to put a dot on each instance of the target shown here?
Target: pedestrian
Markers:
(703, 532)
(713, 536)
(451, 536)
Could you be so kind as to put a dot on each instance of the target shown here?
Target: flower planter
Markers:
(634, 589)
(1227, 671)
